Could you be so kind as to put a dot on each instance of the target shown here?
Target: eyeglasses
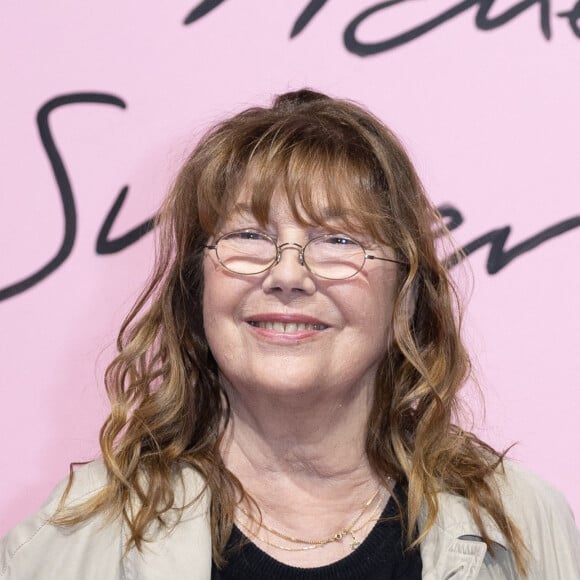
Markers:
(330, 256)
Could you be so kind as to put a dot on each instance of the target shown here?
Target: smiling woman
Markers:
(285, 397)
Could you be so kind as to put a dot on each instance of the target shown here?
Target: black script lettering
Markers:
(451, 216)
(63, 183)
(573, 16)
(203, 8)
(498, 257)
(306, 16)
(107, 246)
(482, 21)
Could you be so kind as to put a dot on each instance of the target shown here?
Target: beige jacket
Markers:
(452, 550)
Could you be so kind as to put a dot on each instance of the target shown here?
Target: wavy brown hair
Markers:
(168, 407)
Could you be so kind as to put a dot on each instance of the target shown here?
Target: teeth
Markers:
(287, 326)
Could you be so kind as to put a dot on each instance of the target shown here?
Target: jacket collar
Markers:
(455, 516)
(453, 548)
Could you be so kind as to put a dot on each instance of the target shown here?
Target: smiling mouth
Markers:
(286, 326)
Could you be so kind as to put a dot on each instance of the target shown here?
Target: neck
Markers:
(309, 447)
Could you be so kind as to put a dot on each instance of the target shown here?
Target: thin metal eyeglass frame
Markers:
(301, 250)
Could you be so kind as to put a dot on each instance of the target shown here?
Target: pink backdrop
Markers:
(99, 96)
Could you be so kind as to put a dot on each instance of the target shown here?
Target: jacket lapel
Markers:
(453, 548)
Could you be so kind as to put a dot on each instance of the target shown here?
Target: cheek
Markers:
(375, 320)
(215, 304)
(219, 290)
(376, 308)
(218, 331)
(223, 299)
(210, 288)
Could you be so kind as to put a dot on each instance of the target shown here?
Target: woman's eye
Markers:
(339, 239)
(248, 235)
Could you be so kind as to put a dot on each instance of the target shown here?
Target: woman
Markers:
(284, 394)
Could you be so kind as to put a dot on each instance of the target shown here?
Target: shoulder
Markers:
(525, 497)
(544, 518)
(93, 548)
(525, 493)
(87, 480)
(24, 548)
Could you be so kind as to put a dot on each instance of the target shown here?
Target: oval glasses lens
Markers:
(246, 252)
(334, 256)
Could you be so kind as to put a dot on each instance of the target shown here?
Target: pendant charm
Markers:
(355, 544)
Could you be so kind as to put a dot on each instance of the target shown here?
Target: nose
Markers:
(289, 274)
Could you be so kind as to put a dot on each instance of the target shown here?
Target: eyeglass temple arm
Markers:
(371, 257)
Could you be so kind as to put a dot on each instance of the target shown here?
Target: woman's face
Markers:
(285, 331)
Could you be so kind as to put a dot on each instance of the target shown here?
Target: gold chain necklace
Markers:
(310, 544)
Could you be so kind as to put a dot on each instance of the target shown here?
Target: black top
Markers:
(379, 557)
